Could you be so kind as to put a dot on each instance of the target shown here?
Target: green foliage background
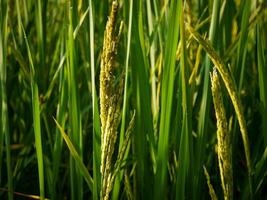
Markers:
(50, 53)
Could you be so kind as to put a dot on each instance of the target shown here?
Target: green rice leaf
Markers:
(83, 170)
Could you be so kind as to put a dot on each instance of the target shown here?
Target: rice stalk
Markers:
(212, 193)
(110, 101)
(223, 137)
(232, 91)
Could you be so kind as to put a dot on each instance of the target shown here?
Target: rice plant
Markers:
(144, 99)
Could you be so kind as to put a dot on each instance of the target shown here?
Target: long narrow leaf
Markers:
(76, 157)
(4, 119)
(166, 100)
(36, 120)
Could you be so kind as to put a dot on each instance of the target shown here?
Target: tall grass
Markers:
(4, 119)
(168, 79)
(91, 110)
(36, 120)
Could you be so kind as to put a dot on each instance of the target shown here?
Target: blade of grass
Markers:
(260, 171)
(36, 120)
(261, 166)
(2, 57)
(166, 100)
(63, 57)
(184, 171)
(75, 118)
(205, 105)
(159, 27)
(19, 21)
(152, 52)
(4, 119)
(117, 184)
(28, 196)
(96, 119)
(40, 38)
(141, 101)
(257, 16)
(241, 54)
(239, 70)
(25, 12)
(262, 71)
(82, 168)
(61, 110)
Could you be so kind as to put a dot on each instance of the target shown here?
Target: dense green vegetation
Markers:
(153, 99)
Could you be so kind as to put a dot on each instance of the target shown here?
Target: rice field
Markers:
(133, 99)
